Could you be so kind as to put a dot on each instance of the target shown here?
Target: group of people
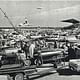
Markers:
(71, 50)
(30, 47)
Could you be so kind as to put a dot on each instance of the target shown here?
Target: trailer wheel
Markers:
(19, 76)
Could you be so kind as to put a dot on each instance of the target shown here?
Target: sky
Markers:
(51, 12)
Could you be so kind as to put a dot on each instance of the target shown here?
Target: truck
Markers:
(12, 65)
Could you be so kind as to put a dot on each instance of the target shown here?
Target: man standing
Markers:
(31, 51)
(71, 52)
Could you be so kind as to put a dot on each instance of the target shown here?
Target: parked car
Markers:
(74, 64)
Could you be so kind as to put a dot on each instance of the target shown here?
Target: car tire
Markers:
(19, 76)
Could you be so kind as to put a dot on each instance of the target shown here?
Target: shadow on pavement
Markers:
(40, 76)
(67, 71)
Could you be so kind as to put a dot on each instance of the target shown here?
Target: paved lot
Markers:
(61, 74)
(47, 72)
(58, 77)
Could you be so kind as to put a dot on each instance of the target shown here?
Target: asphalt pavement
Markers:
(47, 72)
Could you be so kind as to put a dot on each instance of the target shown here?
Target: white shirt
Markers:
(31, 50)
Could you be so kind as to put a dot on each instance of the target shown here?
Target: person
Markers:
(65, 52)
(37, 42)
(76, 50)
(65, 48)
(55, 44)
(40, 43)
(71, 52)
(21, 45)
(21, 55)
(31, 51)
(26, 49)
(3, 43)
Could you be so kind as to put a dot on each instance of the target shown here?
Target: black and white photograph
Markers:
(39, 39)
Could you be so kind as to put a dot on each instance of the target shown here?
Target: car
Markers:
(74, 64)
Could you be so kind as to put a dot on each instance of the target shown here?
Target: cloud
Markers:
(50, 15)
(39, 0)
(53, 17)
